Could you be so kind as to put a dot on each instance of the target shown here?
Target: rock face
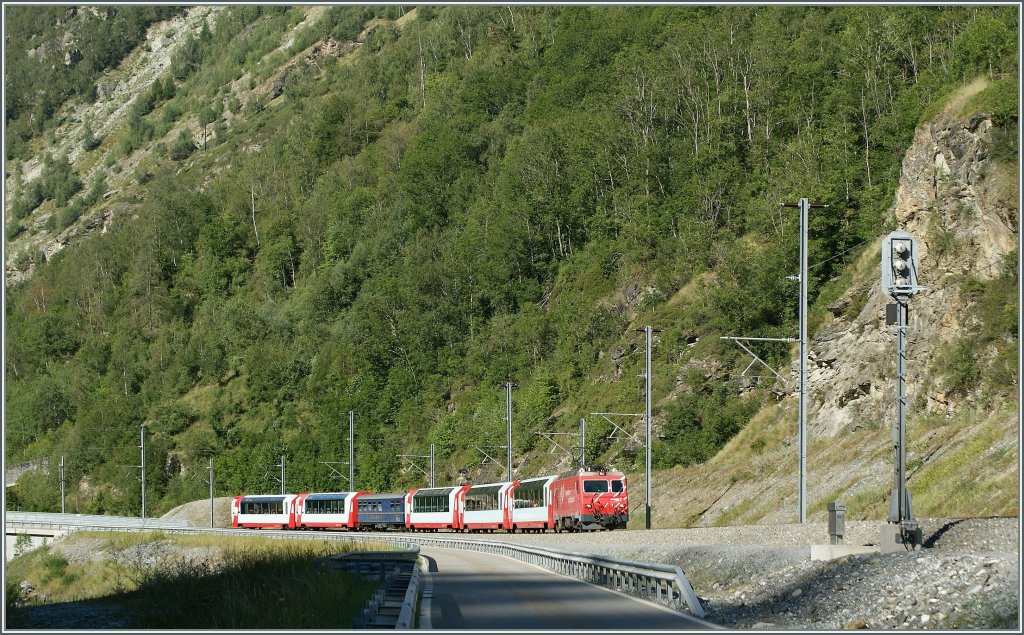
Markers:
(964, 223)
(961, 208)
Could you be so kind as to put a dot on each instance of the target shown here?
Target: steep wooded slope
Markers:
(322, 210)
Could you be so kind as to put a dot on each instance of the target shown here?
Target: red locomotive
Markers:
(590, 500)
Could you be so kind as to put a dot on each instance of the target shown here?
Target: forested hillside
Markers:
(394, 211)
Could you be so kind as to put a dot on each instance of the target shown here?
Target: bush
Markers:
(89, 139)
(183, 147)
(74, 211)
(14, 229)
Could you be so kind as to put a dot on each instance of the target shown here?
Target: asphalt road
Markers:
(487, 592)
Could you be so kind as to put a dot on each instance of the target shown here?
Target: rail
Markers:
(660, 583)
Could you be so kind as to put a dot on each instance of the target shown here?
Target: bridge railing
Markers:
(661, 583)
(63, 521)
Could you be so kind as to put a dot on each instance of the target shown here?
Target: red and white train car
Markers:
(264, 512)
(486, 507)
(531, 508)
(590, 500)
(334, 510)
(435, 508)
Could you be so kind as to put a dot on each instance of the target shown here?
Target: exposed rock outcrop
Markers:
(964, 223)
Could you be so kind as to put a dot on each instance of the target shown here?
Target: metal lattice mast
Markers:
(351, 451)
(901, 407)
(282, 475)
(647, 420)
(142, 451)
(805, 208)
(802, 502)
(211, 492)
(583, 443)
(62, 484)
(508, 419)
(431, 464)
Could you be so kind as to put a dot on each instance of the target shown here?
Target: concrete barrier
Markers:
(825, 553)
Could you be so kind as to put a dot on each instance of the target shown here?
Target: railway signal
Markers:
(899, 282)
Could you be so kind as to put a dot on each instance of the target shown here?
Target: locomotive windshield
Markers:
(600, 487)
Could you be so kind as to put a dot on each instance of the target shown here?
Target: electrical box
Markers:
(836, 521)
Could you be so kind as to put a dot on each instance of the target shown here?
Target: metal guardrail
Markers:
(661, 583)
(62, 521)
(394, 569)
(406, 618)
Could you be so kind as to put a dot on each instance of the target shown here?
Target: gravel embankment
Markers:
(761, 576)
(967, 576)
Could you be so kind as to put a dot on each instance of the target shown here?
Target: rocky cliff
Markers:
(961, 207)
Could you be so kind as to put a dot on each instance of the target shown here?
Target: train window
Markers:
(430, 504)
(595, 487)
(617, 486)
(483, 498)
(530, 495)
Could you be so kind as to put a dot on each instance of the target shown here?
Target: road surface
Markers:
(484, 591)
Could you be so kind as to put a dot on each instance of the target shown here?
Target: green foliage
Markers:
(74, 211)
(183, 146)
(1000, 100)
(401, 244)
(994, 312)
(89, 140)
(986, 43)
(698, 425)
(38, 84)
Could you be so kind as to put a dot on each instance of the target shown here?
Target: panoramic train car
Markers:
(532, 509)
(590, 500)
(436, 508)
(381, 511)
(486, 507)
(326, 510)
(261, 512)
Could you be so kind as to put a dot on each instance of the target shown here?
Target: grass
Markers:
(255, 582)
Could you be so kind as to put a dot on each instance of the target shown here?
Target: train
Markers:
(572, 502)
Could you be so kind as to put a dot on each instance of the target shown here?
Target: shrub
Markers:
(14, 229)
(183, 147)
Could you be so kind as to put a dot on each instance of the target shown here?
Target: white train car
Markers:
(264, 512)
(327, 510)
(436, 508)
(486, 507)
(532, 504)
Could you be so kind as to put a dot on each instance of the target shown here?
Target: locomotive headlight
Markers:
(589, 506)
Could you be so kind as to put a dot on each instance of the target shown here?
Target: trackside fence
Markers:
(661, 583)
